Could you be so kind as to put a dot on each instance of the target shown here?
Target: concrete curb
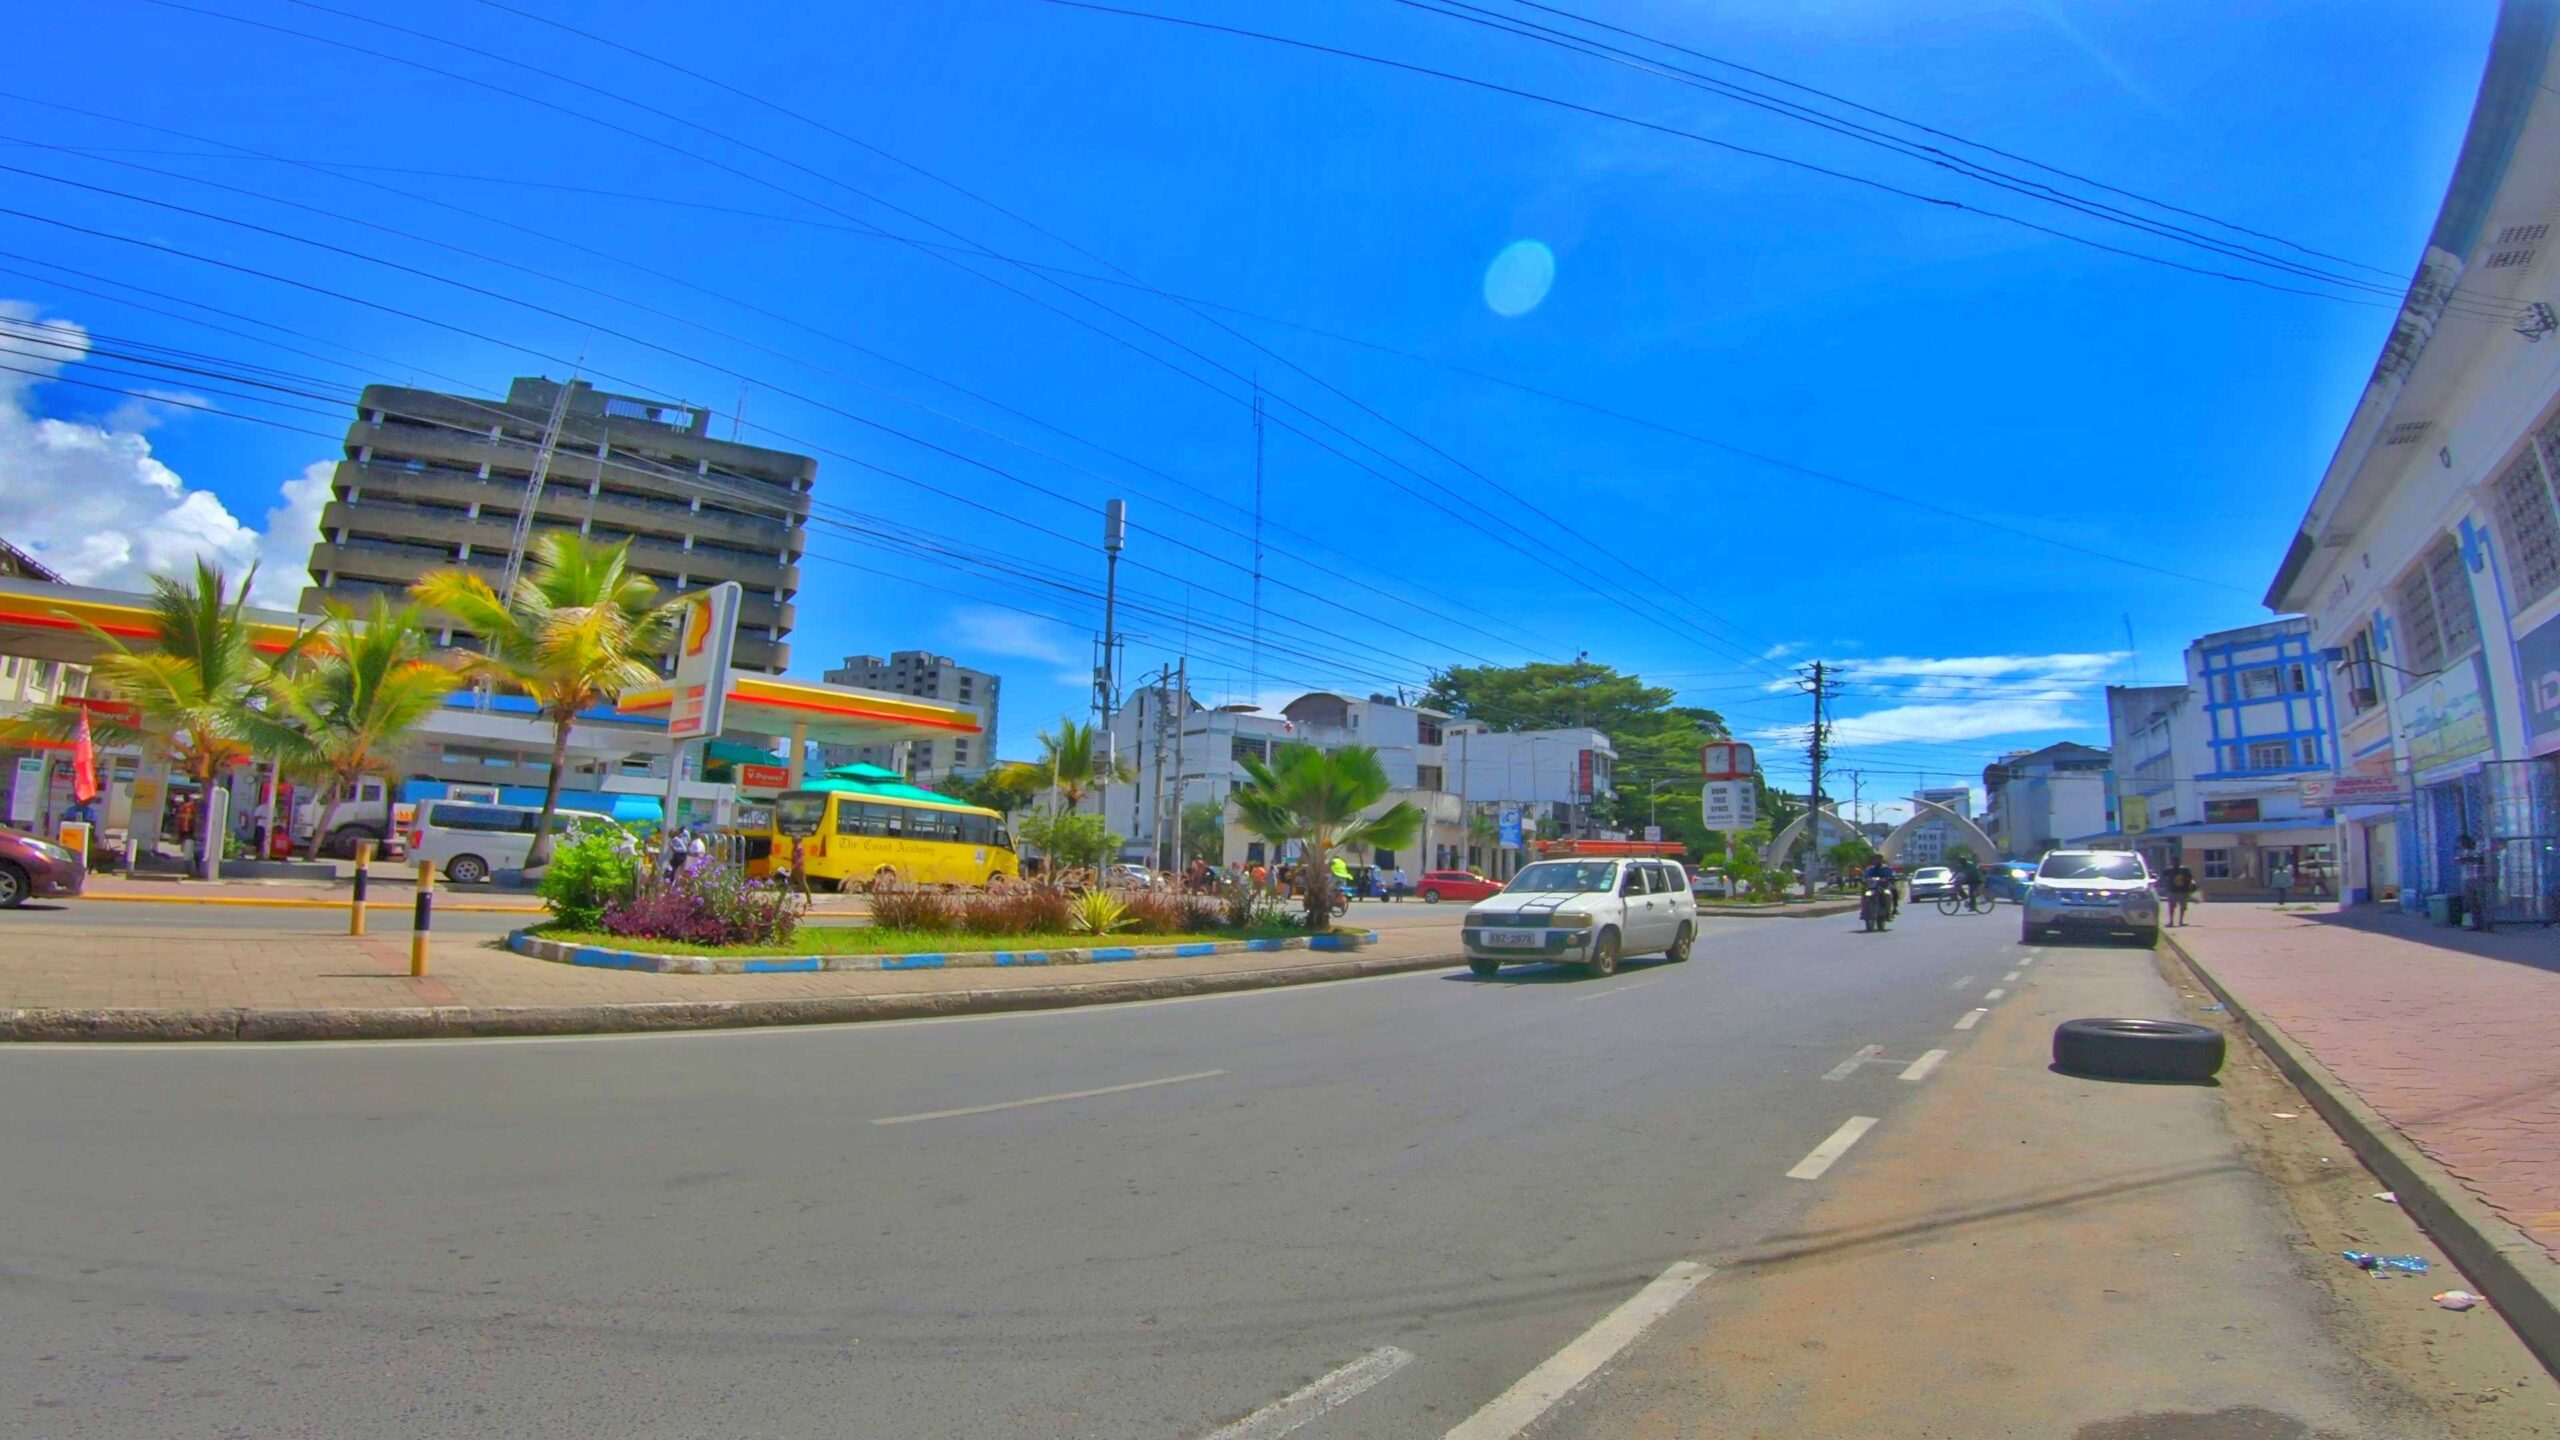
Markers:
(253, 902)
(448, 1022)
(559, 952)
(2515, 1274)
(1809, 910)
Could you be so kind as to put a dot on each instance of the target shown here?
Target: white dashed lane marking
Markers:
(1919, 1069)
(1515, 1409)
(1829, 1151)
(1319, 1395)
(1842, 1070)
(1971, 1019)
(1994, 993)
(1961, 982)
(2011, 977)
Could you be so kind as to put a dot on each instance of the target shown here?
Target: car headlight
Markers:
(51, 851)
(2045, 893)
(1570, 921)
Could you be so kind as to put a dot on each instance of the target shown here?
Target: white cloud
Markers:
(1951, 699)
(990, 631)
(90, 499)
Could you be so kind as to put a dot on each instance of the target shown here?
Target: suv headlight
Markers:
(2045, 893)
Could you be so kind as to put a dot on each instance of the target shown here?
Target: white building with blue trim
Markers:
(2428, 560)
(2209, 772)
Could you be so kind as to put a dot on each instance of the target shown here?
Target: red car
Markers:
(1439, 885)
(31, 867)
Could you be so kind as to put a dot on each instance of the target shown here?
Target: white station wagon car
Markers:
(1589, 912)
(2091, 890)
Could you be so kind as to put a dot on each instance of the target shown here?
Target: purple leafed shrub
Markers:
(709, 903)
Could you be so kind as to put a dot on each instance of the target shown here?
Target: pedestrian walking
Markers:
(2181, 883)
(2280, 877)
(1402, 886)
(675, 854)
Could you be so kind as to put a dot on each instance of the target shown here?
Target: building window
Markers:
(2297, 679)
(2364, 688)
(1426, 732)
(2258, 684)
(960, 751)
(1428, 777)
(2433, 602)
(2528, 531)
(2270, 755)
(2217, 864)
(1247, 748)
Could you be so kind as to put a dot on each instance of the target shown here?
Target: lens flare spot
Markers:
(1519, 278)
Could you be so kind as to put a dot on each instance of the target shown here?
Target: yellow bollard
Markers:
(355, 910)
(426, 910)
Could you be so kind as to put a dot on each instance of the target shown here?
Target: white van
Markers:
(471, 840)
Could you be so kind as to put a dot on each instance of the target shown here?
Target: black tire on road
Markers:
(1604, 954)
(15, 887)
(342, 841)
(466, 869)
(2138, 1049)
(1430, 897)
(2026, 933)
(2149, 936)
(1485, 969)
(1681, 940)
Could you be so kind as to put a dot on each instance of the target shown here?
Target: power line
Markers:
(1657, 127)
(1460, 10)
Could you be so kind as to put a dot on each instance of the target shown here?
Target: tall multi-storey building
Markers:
(433, 481)
(932, 677)
(1931, 835)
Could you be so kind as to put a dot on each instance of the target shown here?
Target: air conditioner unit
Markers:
(2364, 697)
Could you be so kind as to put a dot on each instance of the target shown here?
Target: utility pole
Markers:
(1181, 722)
(1106, 676)
(1815, 748)
(1157, 849)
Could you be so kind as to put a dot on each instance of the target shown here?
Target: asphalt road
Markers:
(718, 1233)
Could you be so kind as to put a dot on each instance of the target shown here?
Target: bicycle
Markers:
(1976, 902)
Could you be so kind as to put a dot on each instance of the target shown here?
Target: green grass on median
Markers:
(865, 940)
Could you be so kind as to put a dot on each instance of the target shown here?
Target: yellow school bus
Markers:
(857, 830)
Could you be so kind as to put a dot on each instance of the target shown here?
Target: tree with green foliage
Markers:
(352, 710)
(1320, 799)
(1006, 789)
(1849, 855)
(1075, 758)
(580, 628)
(1204, 832)
(1070, 839)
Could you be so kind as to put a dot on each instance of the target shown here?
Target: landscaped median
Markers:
(841, 950)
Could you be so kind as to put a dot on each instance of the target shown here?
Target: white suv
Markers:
(2091, 890)
(1588, 912)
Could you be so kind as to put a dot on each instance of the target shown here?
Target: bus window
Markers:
(974, 829)
(891, 820)
(1004, 838)
(799, 814)
(929, 825)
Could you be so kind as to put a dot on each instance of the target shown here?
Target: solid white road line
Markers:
(1842, 1070)
(1618, 990)
(1971, 1019)
(1994, 993)
(1046, 1099)
(1512, 1411)
(1812, 1166)
(2011, 977)
(1919, 1069)
(1961, 982)
(1324, 1393)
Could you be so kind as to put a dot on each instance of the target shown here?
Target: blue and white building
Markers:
(2210, 772)
(2428, 559)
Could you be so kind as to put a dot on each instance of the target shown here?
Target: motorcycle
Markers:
(1875, 906)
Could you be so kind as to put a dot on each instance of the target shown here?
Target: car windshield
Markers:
(2091, 867)
(1931, 872)
(1581, 876)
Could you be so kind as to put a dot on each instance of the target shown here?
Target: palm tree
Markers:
(1073, 760)
(579, 629)
(193, 684)
(1317, 797)
(351, 711)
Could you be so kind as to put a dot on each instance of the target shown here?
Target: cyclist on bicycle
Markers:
(1968, 879)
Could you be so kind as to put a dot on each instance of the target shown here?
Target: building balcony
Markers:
(510, 462)
(566, 504)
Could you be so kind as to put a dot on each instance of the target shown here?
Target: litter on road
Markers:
(2387, 1197)
(2286, 1115)
(2456, 1299)
(2386, 1265)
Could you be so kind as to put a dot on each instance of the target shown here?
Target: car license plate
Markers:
(1513, 939)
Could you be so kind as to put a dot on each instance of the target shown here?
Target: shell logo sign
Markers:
(705, 633)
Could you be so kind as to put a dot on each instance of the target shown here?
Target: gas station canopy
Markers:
(762, 704)
(41, 621)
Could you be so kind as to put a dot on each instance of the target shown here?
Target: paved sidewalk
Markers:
(2453, 1037)
(200, 984)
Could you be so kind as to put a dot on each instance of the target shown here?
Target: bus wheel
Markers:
(999, 880)
(883, 878)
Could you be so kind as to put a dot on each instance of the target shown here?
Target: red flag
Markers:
(84, 764)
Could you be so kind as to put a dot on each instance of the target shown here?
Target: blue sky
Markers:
(1382, 232)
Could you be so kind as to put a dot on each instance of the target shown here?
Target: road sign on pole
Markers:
(1510, 827)
(1728, 805)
